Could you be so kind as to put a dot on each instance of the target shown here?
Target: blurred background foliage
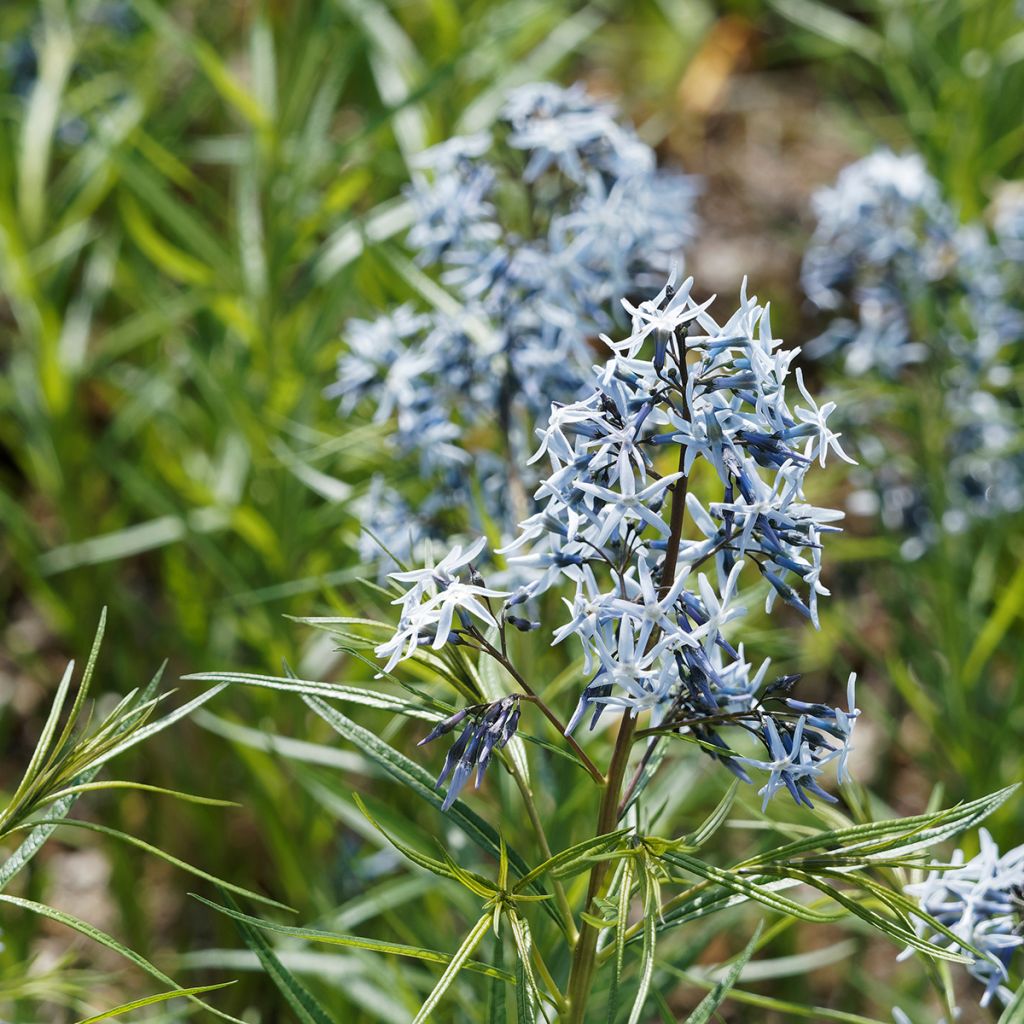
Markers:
(193, 198)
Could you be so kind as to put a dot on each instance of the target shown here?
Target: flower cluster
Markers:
(488, 727)
(980, 901)
(910, 285)
(535, 228)
(430, 604)
(610, 528)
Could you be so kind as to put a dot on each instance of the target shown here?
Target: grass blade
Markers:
(710, 1003)
(97, 935)
(160, 997)
(356, 941)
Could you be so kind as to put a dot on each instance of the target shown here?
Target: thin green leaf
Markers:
(160, 997)
(562, 862)
(1014, 1012)
(415, 778)
(524, 948)
(707, 1006)
(897, 932)
(649, 932)
(90, 787)
(420, 859)
(458, 961)
(751, 888)
(125, 837)
(97, 935)
(159, 725)
(83, 689)
(625, 890)
(715, 819)
(897, 835)
(352, 694)
(355, 941)
(299, 998)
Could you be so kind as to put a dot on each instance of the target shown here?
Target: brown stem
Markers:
(493, 651)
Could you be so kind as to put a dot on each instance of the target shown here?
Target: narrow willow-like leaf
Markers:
(562, 862)
(526, 994)
(415, 778)
(125, 837)
(715, 819)
(649, 940)
(650, 769)
(101, 937)
(307, 1009)
(458, 961)
(177, 794)
(897, 835)
(1014, 1012)
(420, 859)
(37, 837)
(886, 926)
(707, 1006)
(748, 887)
(909, 908)
(350, 694)
(160, 997)
(83, 689)
(625, 890)
(355, 941)
(524, 948)
(34, 841)
(476, 885)
(704, 903)
(42, 748)
(159, 725)
(813, 1013)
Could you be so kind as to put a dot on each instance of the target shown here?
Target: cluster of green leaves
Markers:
(507, 881)
(64, 766)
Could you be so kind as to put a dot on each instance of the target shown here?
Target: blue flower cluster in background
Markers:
(914, 291)
(610, 530)
(980, 901)
(535, 229)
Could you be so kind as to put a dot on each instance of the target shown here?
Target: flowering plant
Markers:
(535, 228)
(649, 576)
(915, 294)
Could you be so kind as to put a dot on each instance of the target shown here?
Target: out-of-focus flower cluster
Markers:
(916, 292)
(39, 51)
(535, 228)
(608, 534)
(979, 900)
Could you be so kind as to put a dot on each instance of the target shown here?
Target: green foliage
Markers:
(63, 765)
(946, 69)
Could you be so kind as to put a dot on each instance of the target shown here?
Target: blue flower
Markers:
(528, 292)
(979, 900)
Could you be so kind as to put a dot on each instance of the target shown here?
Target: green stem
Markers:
(581, 972)
(493, 651)
(538, 828)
